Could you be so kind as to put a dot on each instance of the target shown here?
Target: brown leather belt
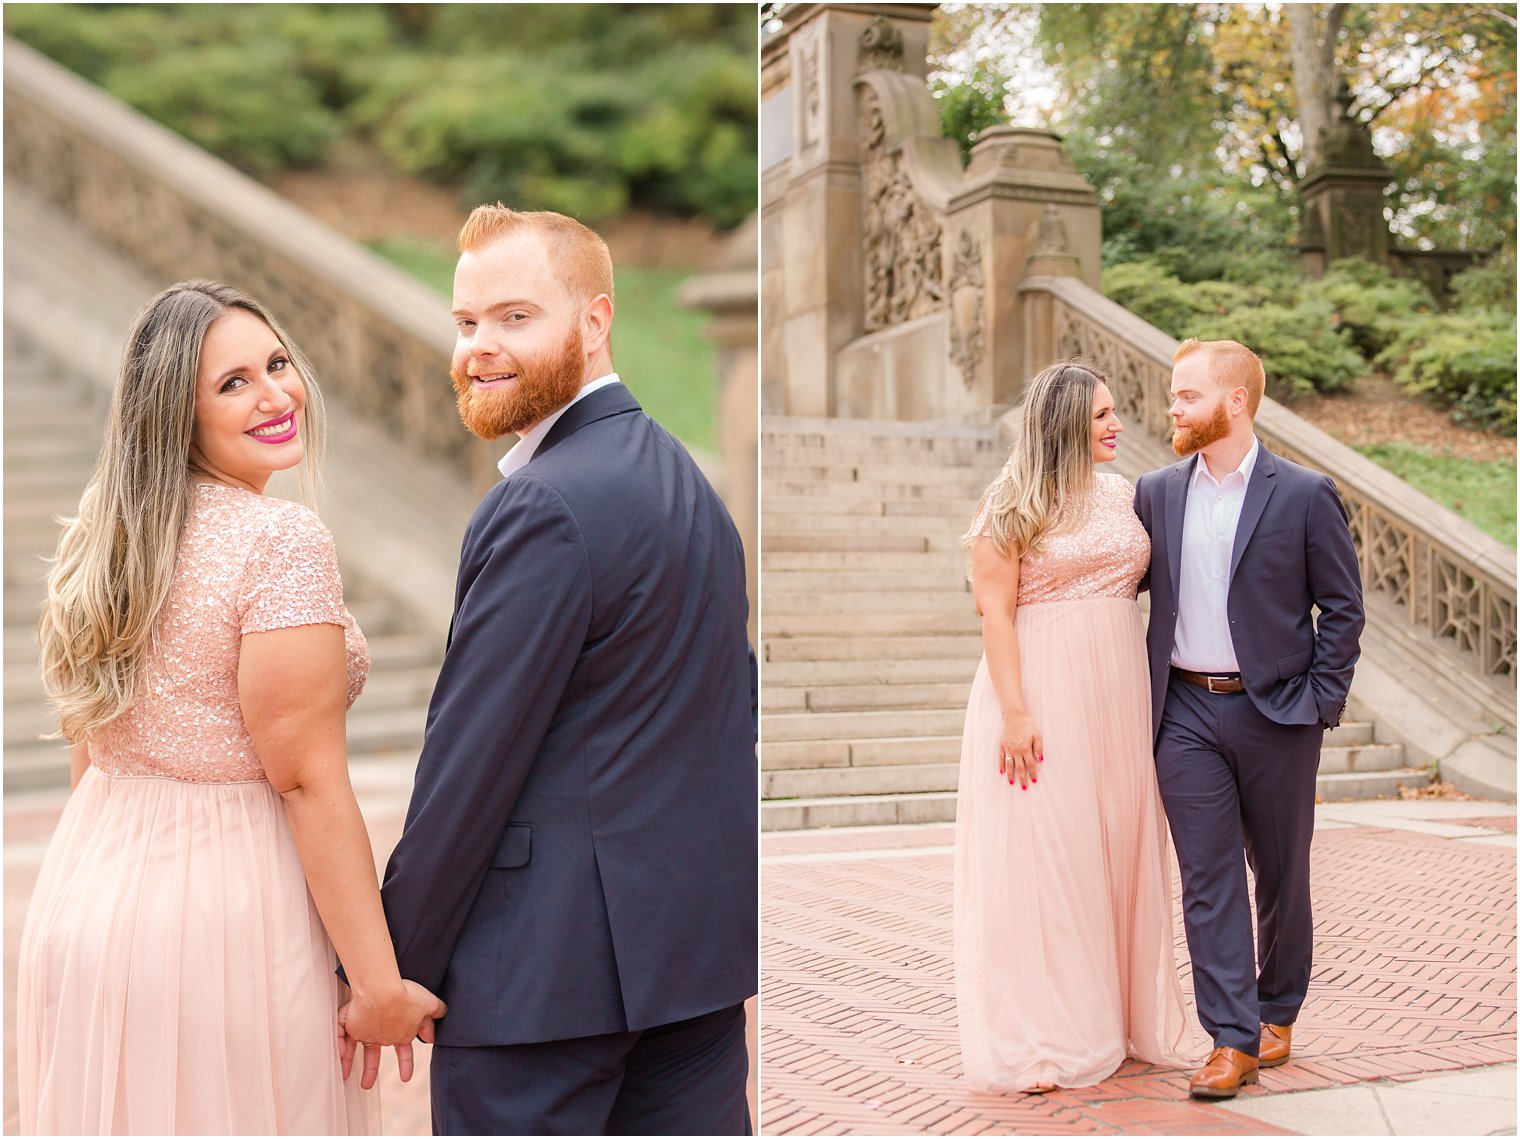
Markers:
(1222, 684)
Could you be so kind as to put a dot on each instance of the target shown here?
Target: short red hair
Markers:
(1232, 365)
(580, 257)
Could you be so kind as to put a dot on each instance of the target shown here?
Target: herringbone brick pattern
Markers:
(1414, 973)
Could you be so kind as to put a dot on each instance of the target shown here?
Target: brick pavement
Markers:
(1414, 974)
(382, 787)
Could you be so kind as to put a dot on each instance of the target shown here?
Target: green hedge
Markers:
(582, 108)
(1466, 361)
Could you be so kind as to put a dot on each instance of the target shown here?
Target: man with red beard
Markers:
(578, 871)
(1244, 546)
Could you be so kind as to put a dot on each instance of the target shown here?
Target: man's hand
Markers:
(407, 1014)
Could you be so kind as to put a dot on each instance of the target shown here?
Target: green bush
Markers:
(1465, 360)
(1299, 345)
(222, 98)
(1369, 302)
(1490, 285)
(582, 108)
(1148, 291)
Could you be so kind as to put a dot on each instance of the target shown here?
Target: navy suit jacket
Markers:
(580, 853)
(1292, 552)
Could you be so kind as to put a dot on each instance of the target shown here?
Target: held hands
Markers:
(407, 1012)
(1020, 750)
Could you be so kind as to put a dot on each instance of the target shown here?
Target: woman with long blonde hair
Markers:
(176, 971)
(1063, 913)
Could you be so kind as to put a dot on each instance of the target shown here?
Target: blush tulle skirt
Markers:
(174, 977)
(1065, 963)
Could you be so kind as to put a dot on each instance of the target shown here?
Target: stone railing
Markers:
(378, 339)
(1444, 575)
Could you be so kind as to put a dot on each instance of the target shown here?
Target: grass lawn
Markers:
(660, 348)
(1481, 492)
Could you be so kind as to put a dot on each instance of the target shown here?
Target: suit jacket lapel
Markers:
(614, 399)
(1258, 490)
(1175, 506)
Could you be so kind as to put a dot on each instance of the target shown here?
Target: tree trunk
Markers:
(1313, 30)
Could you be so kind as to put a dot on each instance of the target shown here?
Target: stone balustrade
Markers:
(1444, 576)
(378, 339)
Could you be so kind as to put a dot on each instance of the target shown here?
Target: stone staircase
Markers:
(52, 428)
(869, 637)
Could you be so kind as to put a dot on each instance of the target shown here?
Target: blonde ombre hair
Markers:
(1051, 464)
(1232, 365)
(115, 561)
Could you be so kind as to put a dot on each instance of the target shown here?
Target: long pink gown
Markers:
(1063, 908)
(174, 977)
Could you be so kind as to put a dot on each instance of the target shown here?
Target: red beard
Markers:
(1186, 440)
(543, 385)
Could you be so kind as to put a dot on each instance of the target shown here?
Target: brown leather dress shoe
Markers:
(1276, 1043)
(1222, 1076)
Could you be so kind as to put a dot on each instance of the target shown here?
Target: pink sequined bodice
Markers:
(247, 564)
(1104, 552)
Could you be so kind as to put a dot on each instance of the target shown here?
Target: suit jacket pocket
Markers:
(1262, 537)
(1288, 667)
(514, 847)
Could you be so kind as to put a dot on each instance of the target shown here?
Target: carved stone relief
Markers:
(881, 46)
(903, 267)
(809, 72)
(967, 296)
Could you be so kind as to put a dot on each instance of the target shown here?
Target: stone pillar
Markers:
(1022, 211)
(811, 186)
(1343, 197)
(729, 295)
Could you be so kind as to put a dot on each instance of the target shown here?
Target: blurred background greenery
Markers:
(391, 120)
(1185, 119)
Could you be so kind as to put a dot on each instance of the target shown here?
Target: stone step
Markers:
(405, 650)
(410, 687)
(951, 496)
(945, 562)
(385, 729)
(27, 479)
(779, 755)
(778, 455)
(778, 582)
(36, 767)
(1350, 733)
(1335, 788)
(882, 780)
(932, 526)
(819, 505)
(858, 811)
(942, 601)
(973, 481)
(982, 441)
(782, 674)
(870, 625)
(962, 647)
(868, 697)
(1361, 758)
(77, 447)
(860, 544)
(852, 725)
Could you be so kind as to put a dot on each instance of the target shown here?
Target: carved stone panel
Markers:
(967, 299)
(904, 273)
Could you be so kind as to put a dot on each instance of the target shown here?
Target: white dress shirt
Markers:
(1203, 642)
(527, 443)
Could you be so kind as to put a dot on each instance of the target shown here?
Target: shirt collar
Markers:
(527, 443)
(1247, 465)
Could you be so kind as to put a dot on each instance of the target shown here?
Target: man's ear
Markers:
(1239, 401)
(596, 323)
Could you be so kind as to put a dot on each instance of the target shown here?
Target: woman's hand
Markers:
(403, 1014)
(1020, 749)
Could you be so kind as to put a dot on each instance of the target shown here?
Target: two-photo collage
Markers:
(878, 569)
